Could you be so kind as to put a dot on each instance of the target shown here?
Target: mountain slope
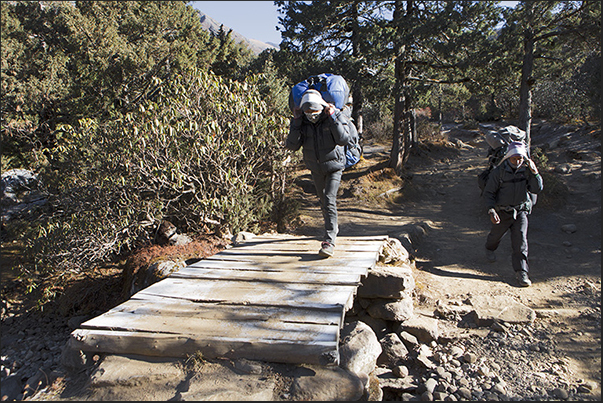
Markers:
(213, 26)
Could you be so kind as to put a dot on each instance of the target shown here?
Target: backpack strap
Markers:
(316, 82)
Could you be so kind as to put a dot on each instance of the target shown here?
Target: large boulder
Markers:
(424, 328)
(359, 348)
(20, 192)
(500, 308)
(394, 351)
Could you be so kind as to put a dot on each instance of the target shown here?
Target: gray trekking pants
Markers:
(519, 237)
(327, 185)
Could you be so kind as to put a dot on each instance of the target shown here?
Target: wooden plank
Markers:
(276, 258)
(337, 314)
(184, 309)
(310, 242)
(293, 244)
(365, 260)
(293, 255)
(253, 292)
(363, 238)
(168, 345)
(271, 298)
(206, 329)
(355, 267)
(288, 237)
(342, 278)
(313, 246)
(296, 255)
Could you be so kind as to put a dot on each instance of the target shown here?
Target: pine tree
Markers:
(553, 36)
(433, 42)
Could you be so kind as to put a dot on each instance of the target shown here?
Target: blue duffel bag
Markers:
(333, 88)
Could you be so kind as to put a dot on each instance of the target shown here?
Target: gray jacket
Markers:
(322, 141)
(507, 188)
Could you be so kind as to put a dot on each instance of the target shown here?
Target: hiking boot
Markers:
(326, 249)
(522, 279)
(490, 255)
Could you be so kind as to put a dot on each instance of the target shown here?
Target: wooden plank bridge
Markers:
(271, 299)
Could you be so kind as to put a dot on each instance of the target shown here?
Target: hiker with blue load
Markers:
(508, 198)
(322, 129)
(334, 89)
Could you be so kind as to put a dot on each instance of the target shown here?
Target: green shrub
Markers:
(203, 154)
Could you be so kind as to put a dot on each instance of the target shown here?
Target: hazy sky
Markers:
(252, 19)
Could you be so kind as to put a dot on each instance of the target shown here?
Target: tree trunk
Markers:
(402, 119)
(358, 103)
(440, 104)
(527, 81)
(358, 98)
(406, 122)
(396, 160)
(414, 138)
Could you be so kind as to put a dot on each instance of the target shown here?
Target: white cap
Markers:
(516, 148)
(312, 100)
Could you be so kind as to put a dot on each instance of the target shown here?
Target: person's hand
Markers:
(532, 166)
(297, 113)
(494, 216)
(330, 109)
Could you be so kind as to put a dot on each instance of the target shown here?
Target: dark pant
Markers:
(519, 237)
(327, 185)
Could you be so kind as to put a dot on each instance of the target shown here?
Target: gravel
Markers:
(502, 363)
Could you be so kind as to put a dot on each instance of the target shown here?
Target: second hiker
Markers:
(507, 197)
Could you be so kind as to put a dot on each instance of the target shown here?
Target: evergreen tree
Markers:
(231, 58)
(553, 38)
(35, 77)
(341, 34)
(437, 42)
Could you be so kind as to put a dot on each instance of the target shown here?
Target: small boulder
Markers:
(424, 328)
(387, 282)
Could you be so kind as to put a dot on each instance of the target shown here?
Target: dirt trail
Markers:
(436, 205)
(440, 194)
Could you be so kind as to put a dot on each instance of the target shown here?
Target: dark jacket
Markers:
(507, 188)
(322, 141)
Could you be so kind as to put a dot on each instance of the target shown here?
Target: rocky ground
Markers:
(434, 209)
(561, 351)
(437, 206)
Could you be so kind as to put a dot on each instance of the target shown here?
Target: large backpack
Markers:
(333, 88)
(495, 156)
(498, 142)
